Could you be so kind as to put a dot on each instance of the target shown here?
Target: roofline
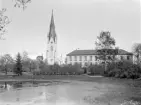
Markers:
(92, 54)
(69, 54)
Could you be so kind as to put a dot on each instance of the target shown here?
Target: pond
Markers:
(62, 93)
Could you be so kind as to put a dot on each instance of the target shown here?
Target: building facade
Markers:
(51, 54)
(86, 57)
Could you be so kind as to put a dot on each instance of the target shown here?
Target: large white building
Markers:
(51, 54)
(86, 57)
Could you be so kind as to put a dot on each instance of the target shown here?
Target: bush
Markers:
(59, 70)
(123, 69)
(71, 69)
(36, 73)
(96, 70)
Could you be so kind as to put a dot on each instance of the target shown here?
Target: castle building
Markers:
(51, 54)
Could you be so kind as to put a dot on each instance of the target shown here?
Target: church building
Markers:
(51, 54)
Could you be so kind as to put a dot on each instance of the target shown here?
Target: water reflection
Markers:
(17, 85)
(57, 93)
(5, 86)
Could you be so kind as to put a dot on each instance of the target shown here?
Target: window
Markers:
(80, 58)
(96, 58)
(128, 57)
(70, 58)
(121, 57)
(91, 58)
(75, 58)
(85, 58)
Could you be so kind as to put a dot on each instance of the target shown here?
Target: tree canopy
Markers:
(105, 41)
(105, 47)
(136, 49)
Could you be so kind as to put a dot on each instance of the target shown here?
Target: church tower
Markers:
(52, 43)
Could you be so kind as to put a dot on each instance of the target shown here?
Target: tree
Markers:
(7, 62)
(41, 65)
(24, 56)
(18, 65)
(4, 20)
(105, 41)
(21, 3)
(26, 61)
(137, 52)
(105, 46)
(33, 65)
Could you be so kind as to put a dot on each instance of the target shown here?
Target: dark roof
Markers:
(123, 52)
(94, 52)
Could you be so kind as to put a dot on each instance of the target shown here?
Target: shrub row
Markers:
(58, 70)
(123, 69)
(96, 70)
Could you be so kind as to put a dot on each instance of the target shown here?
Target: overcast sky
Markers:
(78, 23)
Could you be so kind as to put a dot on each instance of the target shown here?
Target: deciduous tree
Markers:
(137, 52)
(105, 41)
(6, 62)
(105, 47)
(26, 61)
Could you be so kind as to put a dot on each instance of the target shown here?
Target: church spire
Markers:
(52, 20)
(52, 32)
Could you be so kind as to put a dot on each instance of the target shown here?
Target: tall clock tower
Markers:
(51, 43)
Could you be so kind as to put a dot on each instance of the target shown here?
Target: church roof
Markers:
(52, 32)
(94, 52)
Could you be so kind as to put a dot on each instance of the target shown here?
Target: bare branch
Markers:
(21, 3)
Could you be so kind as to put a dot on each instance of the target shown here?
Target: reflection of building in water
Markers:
(6, 86)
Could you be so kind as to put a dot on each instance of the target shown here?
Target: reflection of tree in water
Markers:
(17, 85)
(5, 86)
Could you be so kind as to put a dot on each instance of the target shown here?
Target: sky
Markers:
(77, 22)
